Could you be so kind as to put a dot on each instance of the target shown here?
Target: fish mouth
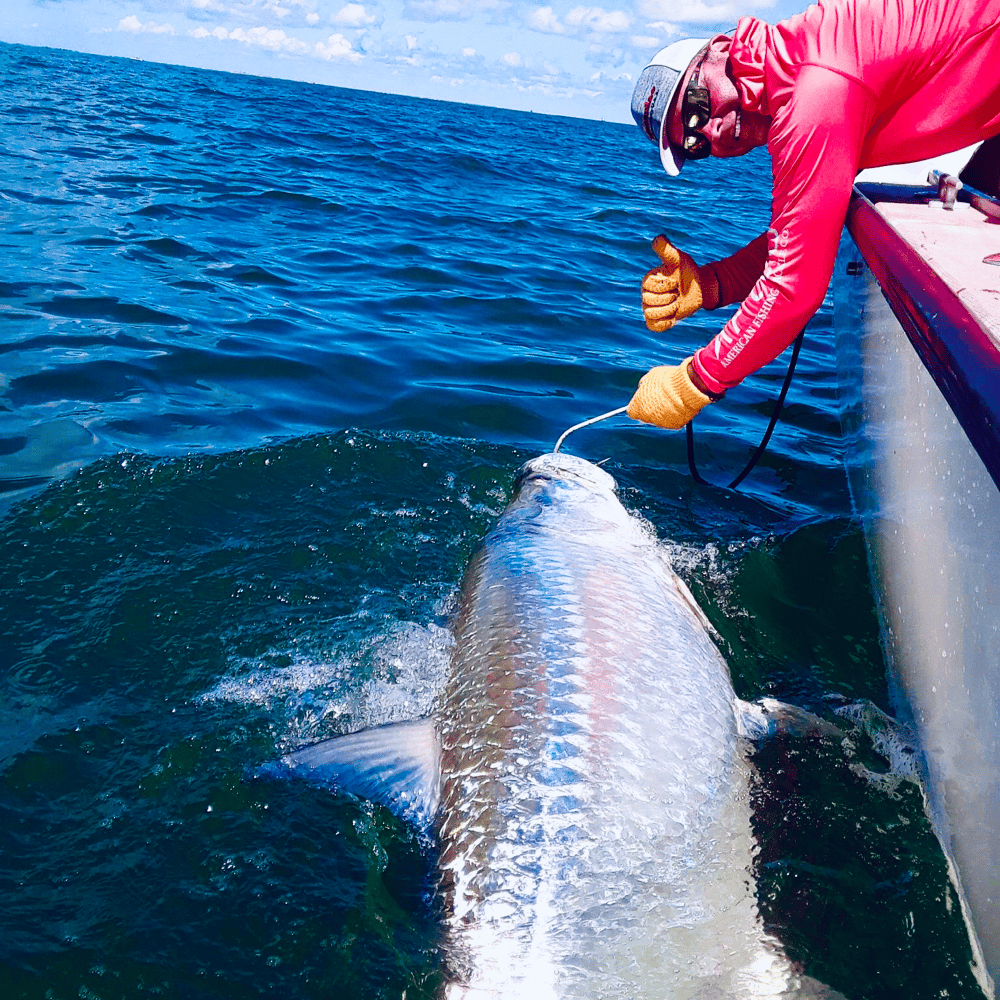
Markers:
(567, 468)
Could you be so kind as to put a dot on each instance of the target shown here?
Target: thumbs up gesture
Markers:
(677, 288)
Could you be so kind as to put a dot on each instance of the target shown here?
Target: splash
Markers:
(392, 677)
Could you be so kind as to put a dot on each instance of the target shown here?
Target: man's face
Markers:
(731, 130)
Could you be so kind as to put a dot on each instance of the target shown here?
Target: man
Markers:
(847, 84)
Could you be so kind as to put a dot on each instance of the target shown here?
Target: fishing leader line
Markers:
(586, 423)
(755, 458)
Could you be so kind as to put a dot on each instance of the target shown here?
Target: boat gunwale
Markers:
(960, 355)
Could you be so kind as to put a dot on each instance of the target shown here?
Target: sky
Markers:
(549, 56)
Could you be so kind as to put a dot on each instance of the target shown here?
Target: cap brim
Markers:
(670, 158)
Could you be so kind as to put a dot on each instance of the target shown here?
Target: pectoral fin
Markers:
(759, 720)
(891, 740)
(396, 765)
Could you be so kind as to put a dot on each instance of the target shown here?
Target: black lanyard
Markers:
(767, 434)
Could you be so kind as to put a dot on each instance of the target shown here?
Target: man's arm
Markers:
(815, 145)
(739, 273)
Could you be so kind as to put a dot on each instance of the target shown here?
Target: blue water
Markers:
(271, 356)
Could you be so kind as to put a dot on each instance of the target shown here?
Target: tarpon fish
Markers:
(584, 776)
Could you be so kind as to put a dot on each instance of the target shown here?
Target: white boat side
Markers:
(918, 342)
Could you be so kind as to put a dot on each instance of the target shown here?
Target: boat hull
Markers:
(931, 514)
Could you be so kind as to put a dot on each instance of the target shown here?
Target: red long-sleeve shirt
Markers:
(848, 84)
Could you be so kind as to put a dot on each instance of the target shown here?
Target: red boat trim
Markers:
(959, 354)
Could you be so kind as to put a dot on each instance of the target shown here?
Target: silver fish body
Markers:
(593, 819)
(584, 773)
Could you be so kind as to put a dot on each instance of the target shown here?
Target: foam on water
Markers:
(307, 699)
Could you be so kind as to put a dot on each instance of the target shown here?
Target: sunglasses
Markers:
(696, 111)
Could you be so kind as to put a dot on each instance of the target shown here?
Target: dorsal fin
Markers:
(396, 765)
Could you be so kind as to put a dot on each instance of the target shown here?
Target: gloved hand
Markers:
(677, 288)
(667, 397)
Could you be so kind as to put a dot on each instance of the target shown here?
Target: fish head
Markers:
(563, 491)
(566, 474)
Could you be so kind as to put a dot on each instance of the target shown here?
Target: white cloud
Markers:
(512, 58)
(337, 47)
(276, 40)
(694, 11)
(258, 10)
(645, 41)
(411, 42)
(455, 81)
(544, 19)
(547, 89)
(579, 19)
(221, 33)
(281, 7)
(613, 77)
(468, 53)
(273, 39)
(598, 20)
(450, 10)
(354, 15)
(664, 27)
(134, 25)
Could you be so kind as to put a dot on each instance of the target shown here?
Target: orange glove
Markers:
(677, 288)
(667, 397)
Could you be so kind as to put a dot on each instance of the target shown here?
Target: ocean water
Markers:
(271, 356)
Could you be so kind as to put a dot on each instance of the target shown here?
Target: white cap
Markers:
(654, 93)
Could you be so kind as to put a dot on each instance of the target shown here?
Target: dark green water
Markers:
(272, 357)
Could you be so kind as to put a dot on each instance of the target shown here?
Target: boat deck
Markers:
(954, 243)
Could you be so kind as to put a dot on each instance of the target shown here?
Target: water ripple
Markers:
(323, 257)
(105, 308)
